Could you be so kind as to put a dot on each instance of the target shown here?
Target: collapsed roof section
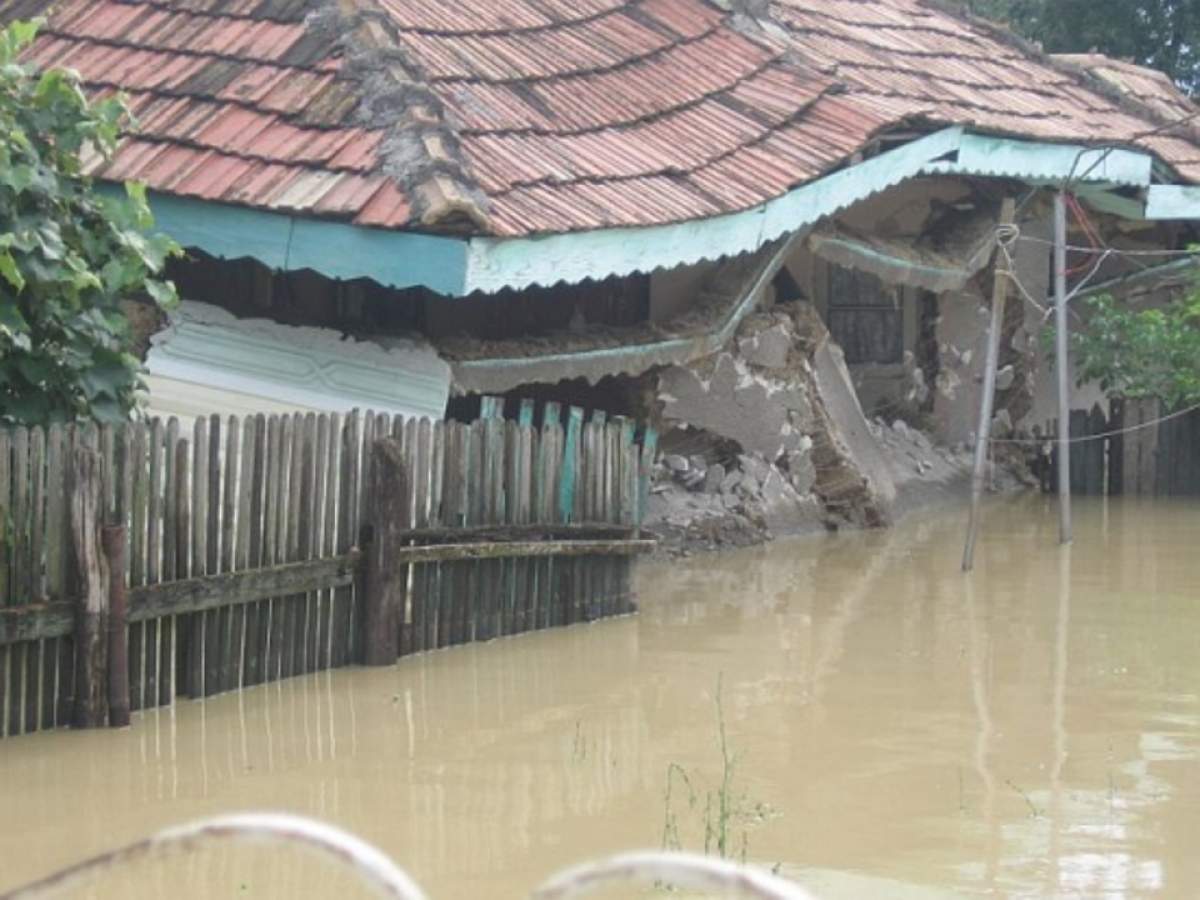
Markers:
(505, 122)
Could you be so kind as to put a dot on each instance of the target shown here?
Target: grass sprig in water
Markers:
(727, 813)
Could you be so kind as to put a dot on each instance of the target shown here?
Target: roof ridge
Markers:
(420, 151)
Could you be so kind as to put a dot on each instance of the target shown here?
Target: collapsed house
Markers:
(768, 229)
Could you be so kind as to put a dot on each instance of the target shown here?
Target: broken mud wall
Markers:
(961, 339)
(778, 443)
(928, 233)
(961, 335)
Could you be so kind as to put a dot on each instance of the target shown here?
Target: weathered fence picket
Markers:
(250, 550)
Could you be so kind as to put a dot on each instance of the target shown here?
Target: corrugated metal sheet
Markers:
(564, 115)
(208, 354)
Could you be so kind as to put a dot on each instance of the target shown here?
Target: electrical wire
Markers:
(1109, 149)
(1116, 251)
(1103, 435)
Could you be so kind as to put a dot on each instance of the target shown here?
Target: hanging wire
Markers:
(1087, 279)
(1116, 251)
(1103, 435)
(1109, 149)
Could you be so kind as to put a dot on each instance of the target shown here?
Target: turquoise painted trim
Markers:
(634, 356)
(495, 263)
(398, 259)
(566, 483)
(920, 270)
(1105, 200)
(1173, 201)
(996, 157)
(456, 267)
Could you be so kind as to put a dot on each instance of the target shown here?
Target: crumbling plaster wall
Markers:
(781, 394)
(962, 342)
(902, 213)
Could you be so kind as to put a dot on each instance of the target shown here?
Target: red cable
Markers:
(1086, 225)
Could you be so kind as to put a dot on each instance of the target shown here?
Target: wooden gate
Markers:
(246, 544)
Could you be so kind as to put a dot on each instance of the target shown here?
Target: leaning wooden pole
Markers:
(1062, 367)
(118, 627)
(387, 576)
(91, 646)
(987, 401)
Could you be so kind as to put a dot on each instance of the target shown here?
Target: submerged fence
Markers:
(139, 563)
(1138, 448)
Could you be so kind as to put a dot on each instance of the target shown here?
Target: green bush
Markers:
(1141, 352)
(69, 254)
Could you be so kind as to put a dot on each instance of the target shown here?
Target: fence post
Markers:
(113, 538)
(569, 473)
(385, 583)
(1116, 447)
(92, 614)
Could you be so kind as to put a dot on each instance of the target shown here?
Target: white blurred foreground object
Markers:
(681, 870)
(371, 866)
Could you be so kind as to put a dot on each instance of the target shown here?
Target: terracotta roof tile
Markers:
(555, 115)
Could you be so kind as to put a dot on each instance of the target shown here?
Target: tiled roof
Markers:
(1147, 86)
(515, 117)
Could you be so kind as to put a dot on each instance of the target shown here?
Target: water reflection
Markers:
(1030, 729)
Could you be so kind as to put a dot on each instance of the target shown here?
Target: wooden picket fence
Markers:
(260, 548)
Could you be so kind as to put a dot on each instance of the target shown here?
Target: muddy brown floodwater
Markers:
(1033, 730)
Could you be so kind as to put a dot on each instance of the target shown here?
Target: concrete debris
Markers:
(948, 384)
(733, 477)
(1005, 378)
(808, 459)
(714, 478)
(787, 447)
(756, 468)
(1002, 424)
(801, 471)
(677, 463)
(724, 396)
(768, 349)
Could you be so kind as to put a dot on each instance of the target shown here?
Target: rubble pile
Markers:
(766, 438)
(695, 502)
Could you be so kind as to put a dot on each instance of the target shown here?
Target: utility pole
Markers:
(1062, 366)
(987, 402)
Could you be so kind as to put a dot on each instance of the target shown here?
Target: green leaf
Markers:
(163, 293)
(11, 319)
(10, 272)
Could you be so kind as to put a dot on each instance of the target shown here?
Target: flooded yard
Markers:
(1031, 730)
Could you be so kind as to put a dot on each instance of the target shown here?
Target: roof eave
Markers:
(457, 266)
